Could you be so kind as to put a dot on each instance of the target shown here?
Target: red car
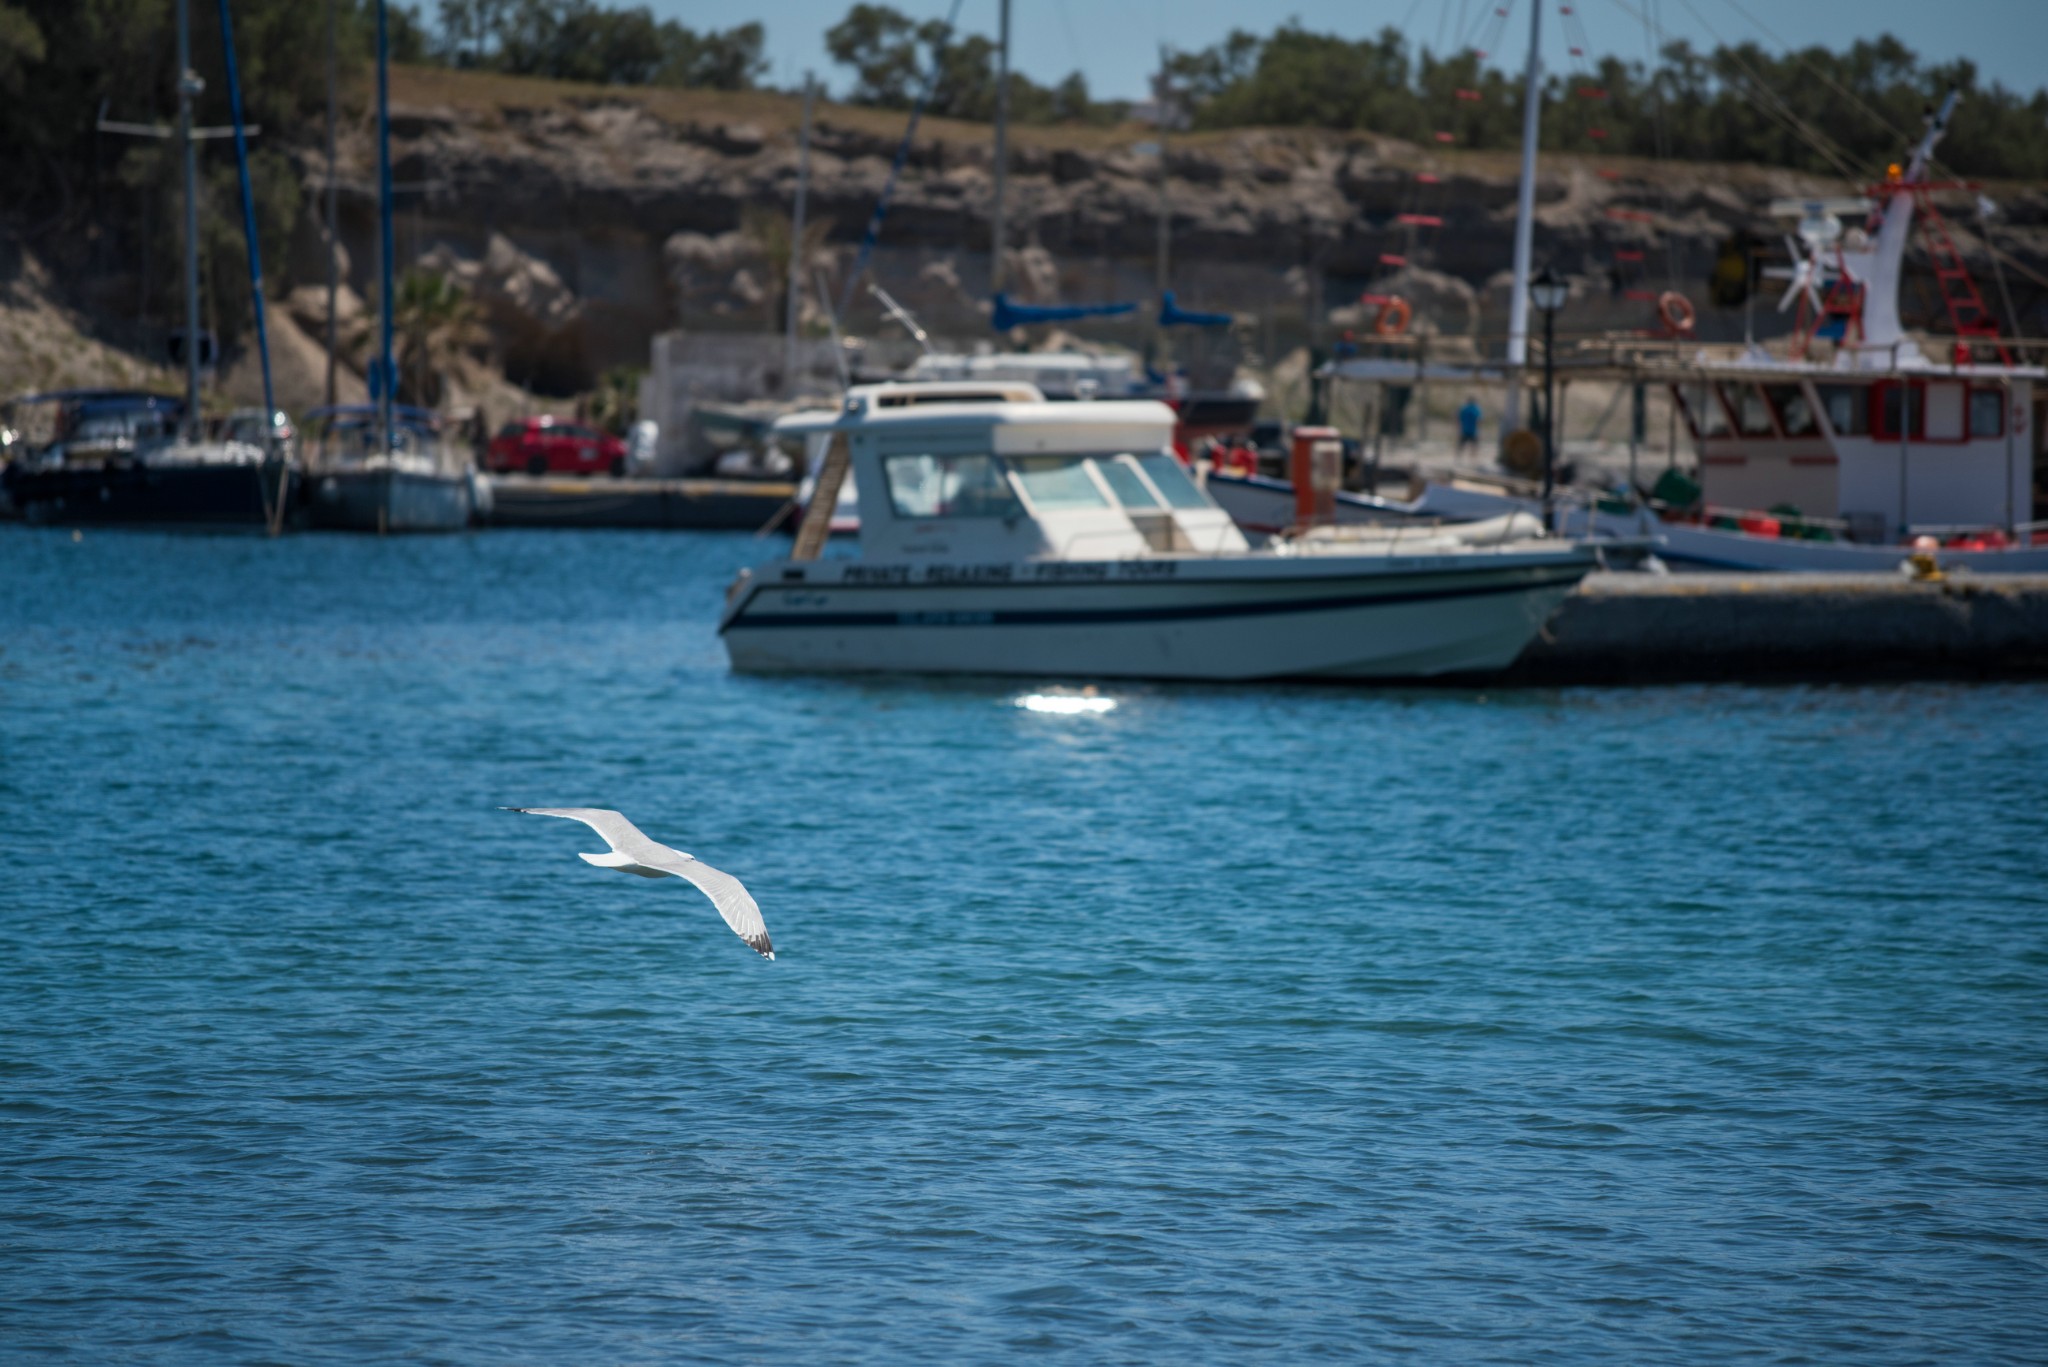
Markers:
(552, 446)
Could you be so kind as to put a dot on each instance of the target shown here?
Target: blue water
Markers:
(1235, 1025)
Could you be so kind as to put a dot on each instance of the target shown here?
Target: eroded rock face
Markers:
(586, 228)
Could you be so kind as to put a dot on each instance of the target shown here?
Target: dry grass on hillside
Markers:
(776, 114)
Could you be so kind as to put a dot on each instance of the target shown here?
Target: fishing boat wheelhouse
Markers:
(1854, 445)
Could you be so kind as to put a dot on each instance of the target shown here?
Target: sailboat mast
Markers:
(995, 227)
(249, 237)
(387, 373)
(1525, 224)
(1163, 99)
(333, 246)
(793, 314)
(189, 86)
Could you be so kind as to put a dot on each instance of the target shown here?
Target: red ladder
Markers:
(1967, 311)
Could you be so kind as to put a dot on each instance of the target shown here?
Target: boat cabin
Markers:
(87, 426)
(1889, 455)
(995, 472)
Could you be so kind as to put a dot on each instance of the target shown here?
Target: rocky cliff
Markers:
(585, 220)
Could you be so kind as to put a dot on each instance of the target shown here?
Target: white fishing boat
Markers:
(1851, 448)
(1004, 534)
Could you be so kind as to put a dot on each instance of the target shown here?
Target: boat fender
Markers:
(1393, 318)
(1675, 311)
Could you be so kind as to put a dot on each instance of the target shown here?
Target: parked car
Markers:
(552, 446)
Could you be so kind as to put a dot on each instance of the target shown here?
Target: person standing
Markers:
(1468, 426)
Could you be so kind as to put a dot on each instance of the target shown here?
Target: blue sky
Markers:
(1115, 43)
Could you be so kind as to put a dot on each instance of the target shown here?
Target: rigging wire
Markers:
(1857, 102)
(1660, 133)
(1774, 104)
(1762, 98)
(1487, 27)
(881, 211)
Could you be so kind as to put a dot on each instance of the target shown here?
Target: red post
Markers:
(1316, 465)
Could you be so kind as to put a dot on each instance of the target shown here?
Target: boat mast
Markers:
(995, 226)
(387, 374)
(794, 311)
(1525, 225)
(227, 46)
(333, 247)
(189, 86)
(1162, 99)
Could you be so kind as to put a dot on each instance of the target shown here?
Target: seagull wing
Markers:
(726, 892)
(616, 830)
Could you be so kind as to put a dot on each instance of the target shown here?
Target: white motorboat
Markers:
(1004, 534)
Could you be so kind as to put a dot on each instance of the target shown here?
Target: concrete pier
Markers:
(676, 504)
(1842, 628)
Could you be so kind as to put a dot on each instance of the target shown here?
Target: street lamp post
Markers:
(1547, 291)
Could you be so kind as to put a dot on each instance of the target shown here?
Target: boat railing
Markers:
(1757, 521)
(1789, 525)
(1649, 356)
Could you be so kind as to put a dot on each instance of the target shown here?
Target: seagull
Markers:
(633, 852)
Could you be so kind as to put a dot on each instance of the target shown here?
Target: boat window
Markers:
(1987, 413)
(1847, 407)
(1898, 410)
(1055, 483)
(1752, 414)
(1125, 482)
(1709, 419)
(1794, 412)
(947, 486)
(1170, 478)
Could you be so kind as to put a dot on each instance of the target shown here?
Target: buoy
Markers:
(1393, 317)
(1676, 312)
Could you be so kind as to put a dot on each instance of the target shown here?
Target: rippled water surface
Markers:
(1229, 1025)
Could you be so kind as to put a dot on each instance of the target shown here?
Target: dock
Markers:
(1840, 628)
(672, 504)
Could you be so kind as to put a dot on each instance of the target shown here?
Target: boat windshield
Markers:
(1170, 478)
(1057, 483)
(924, 486)
(1123, 479)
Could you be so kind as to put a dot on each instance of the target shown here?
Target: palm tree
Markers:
(437, 322)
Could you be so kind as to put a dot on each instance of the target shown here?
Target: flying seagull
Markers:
(633, 852)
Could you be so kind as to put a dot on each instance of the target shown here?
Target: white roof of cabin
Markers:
(1017, 417)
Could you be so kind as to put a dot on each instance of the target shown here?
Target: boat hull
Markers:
(1364, 617)
(1713, 548)
(1262, 506)
(225, 496)
(382, 500)
(1686, 545)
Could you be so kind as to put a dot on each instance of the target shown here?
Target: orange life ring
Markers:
(1676, 312)
(1393, 318)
